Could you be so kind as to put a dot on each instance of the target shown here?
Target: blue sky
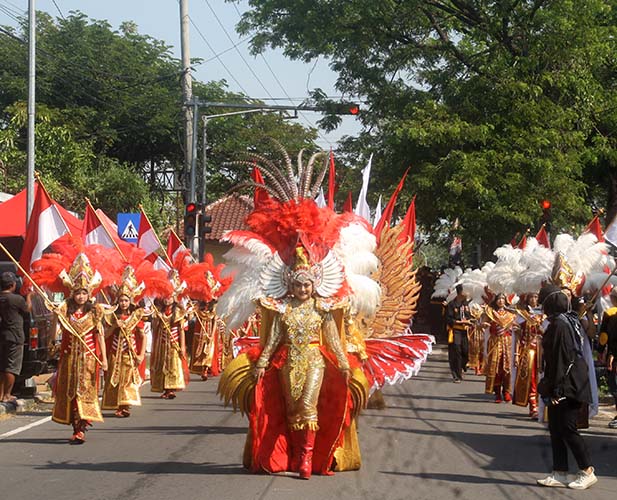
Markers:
(160, 19)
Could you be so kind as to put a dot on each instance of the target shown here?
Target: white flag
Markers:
(377, 212)
(321, 199)
(362, 208)
(610, 235)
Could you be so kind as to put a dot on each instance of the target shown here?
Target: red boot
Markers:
(306, 459)
(296, 440)
(507, 397)
(497, 391)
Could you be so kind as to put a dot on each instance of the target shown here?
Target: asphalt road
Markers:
(436, 440)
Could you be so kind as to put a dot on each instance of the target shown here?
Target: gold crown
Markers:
(130, 287)
(81, 276)
(177, 284)
(564, 276)
(302, 270)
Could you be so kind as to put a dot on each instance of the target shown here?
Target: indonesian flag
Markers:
(46, 225)
(261, 195)
(542, 237)
(149, 242)
(94, 231)
(594, 227)
(362, 208)
(409, 223)
(523, 243)
(174, 246)
(348, 205)
(610, 236)
(389, 210)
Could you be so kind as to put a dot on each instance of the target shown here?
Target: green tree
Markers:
(495, 105)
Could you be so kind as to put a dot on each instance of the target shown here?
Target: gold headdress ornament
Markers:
(81, 276)
(178, 285)
(213, 283)
(564, 276)
(129, 286)
(302, 271)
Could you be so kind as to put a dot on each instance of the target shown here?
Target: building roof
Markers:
(229, 213)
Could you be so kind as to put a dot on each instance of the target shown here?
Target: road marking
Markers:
(34, 424)
(25, 427)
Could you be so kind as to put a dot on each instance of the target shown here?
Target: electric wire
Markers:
(58, 9)
(304, 117)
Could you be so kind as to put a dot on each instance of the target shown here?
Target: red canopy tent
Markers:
(13, 216)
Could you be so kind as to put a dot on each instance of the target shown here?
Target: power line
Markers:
(312, 125)
(236, 48)
(58, 8)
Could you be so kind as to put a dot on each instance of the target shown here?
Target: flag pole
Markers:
(49, 304)
(37, 177)
(143, 212)
(106, 230)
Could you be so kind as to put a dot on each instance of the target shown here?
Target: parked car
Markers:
(40, 345)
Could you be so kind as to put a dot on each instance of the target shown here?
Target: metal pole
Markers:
(31, 107)
(192, 190)
(187, 91)
(204, 161)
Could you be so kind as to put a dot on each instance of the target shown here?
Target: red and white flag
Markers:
(46, 226)
(149, 242)
(94, 231)
(174, 246)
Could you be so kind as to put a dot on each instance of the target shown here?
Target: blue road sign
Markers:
(128, 227)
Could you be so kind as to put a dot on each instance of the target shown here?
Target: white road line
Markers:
(25, 427)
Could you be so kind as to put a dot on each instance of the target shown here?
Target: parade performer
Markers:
(127, 347)
(82, 351)
(458, 319)
(299, 387)
(528, 356)
(309, 272)
(168, 367)
(205, 285)
(498, 366)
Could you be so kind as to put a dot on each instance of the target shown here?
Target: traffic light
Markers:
(341, 108)
(205, 226)
(546, 214)
(190, 220)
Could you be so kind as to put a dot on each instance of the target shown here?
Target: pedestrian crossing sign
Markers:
(128, 226)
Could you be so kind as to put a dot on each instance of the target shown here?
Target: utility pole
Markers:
(190, 119)
(31, 108)
(187, 96)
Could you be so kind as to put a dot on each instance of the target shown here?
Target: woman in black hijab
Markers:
(564, 388)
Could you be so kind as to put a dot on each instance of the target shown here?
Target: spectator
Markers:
(13, 308)
(564, 388)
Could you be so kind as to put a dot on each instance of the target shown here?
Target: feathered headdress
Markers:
(130, 286)
(265, 259)
(204, 280)
(446, 283)
(81, 276)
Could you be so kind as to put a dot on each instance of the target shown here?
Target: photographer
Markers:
(565, 388)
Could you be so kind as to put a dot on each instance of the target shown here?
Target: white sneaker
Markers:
(555, 480)
(583, 480)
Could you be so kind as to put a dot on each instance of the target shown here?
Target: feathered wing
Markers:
(355, 249)
(246, 261)
(396, 359)
(400, 290)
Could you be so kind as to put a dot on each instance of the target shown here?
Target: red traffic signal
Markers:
(190, 208)
(354, 109)
(546, 204)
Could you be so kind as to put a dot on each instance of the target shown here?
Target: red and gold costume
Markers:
(167, 363)
(498, 364)
(476, 341)
(126, 348)
(529, 358)
(76, 392)
(208, 343)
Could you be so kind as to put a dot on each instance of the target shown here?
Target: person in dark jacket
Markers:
(564, 388)
(458, 319)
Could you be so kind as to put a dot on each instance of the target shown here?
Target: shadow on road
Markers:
(150, 467)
